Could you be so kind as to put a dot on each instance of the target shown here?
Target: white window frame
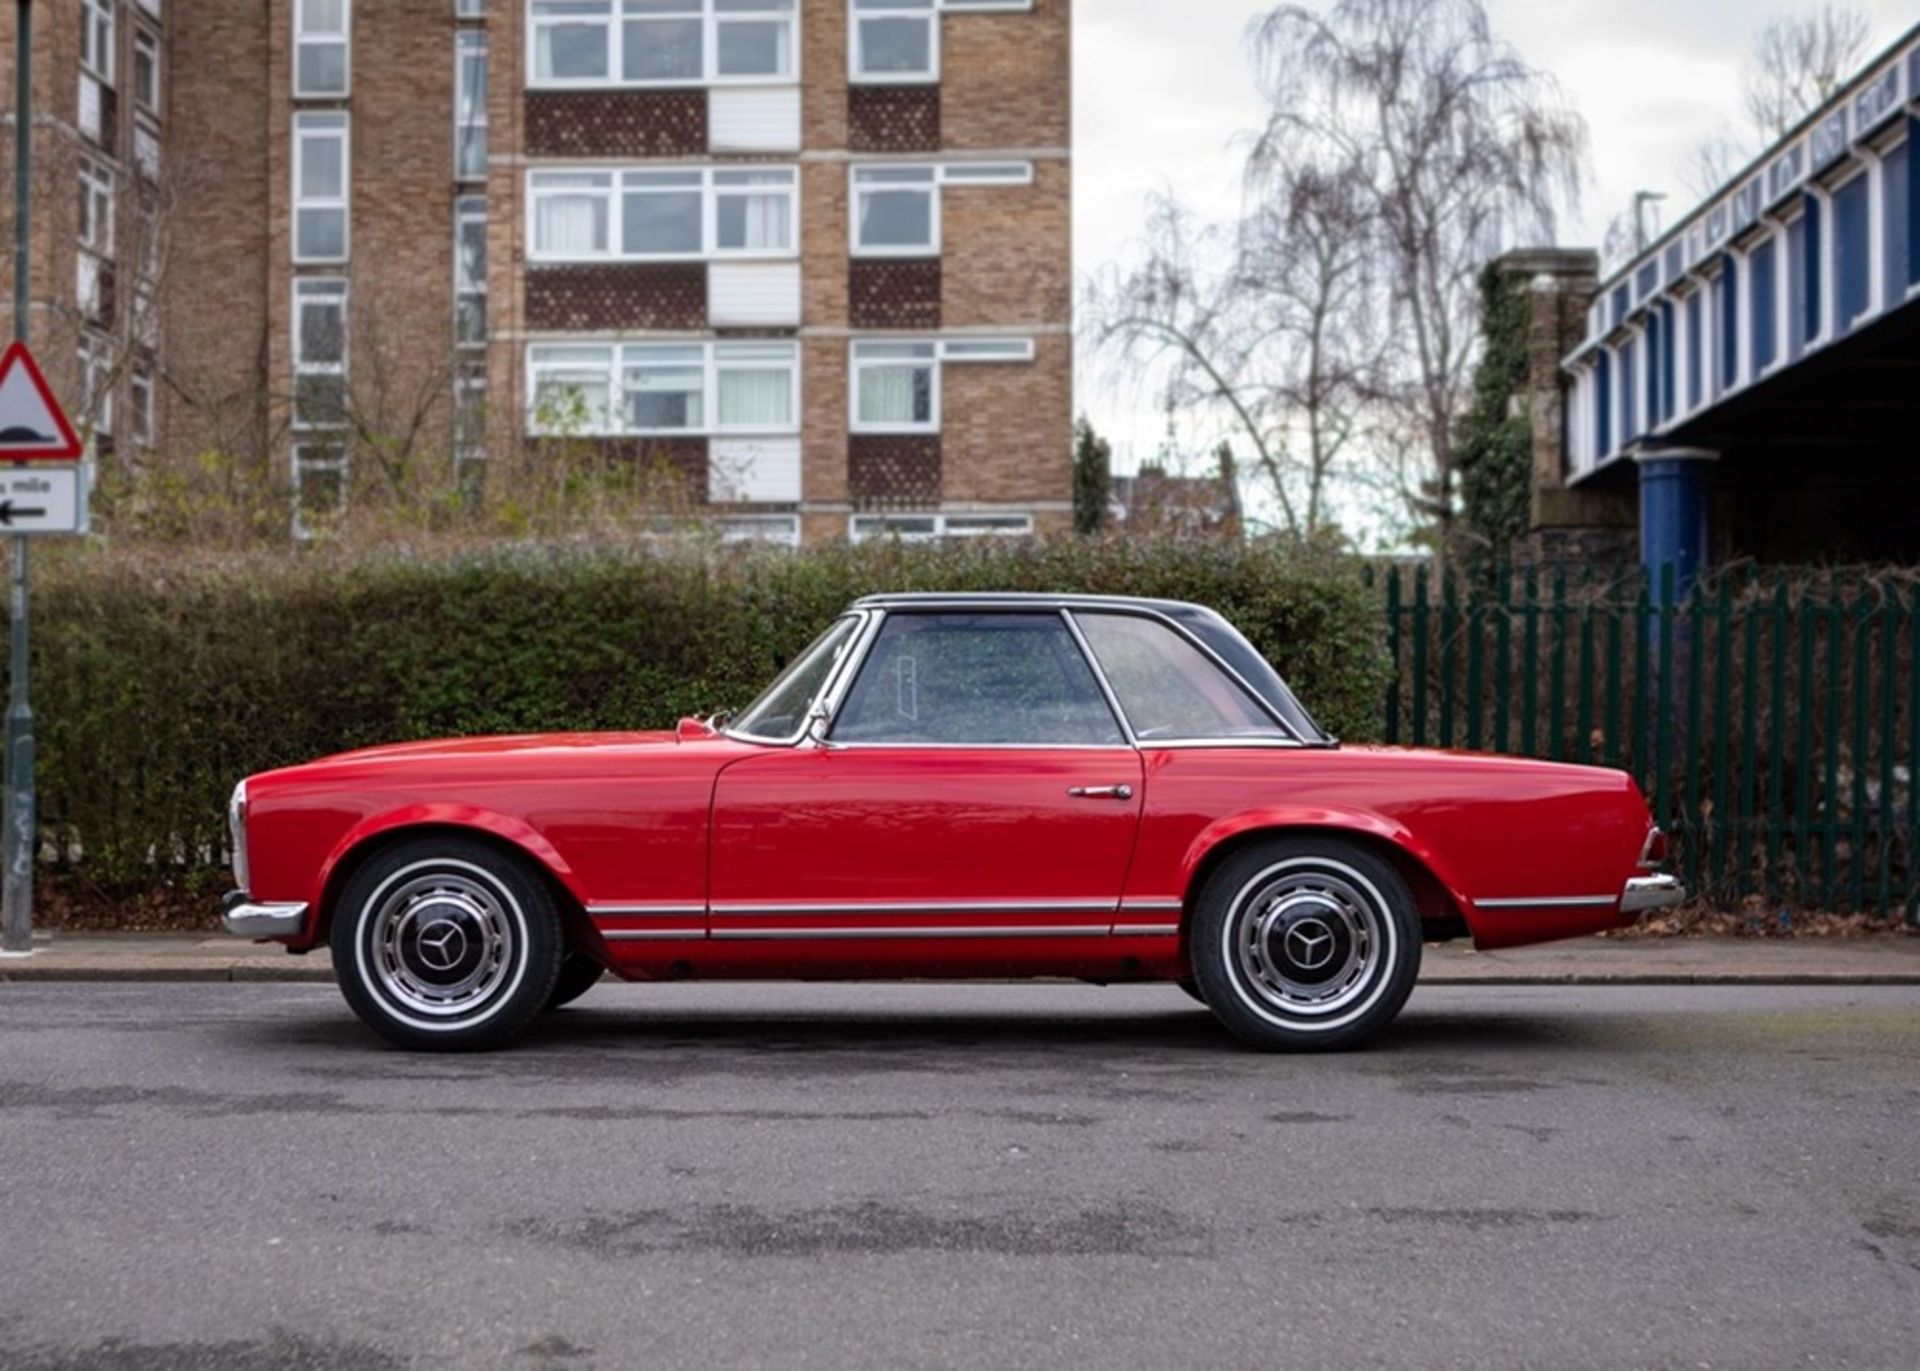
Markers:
(301, 464)
(469, 42)
(467, 210)
(146, 149)
(939, 176)
(776, 530)
(612, 19)
(140, 403)
(343, 39)
(927, 11)
(146, 41)
(151, 7)
(863, 528)
(616, 190)
(96, 389)
(335, 123)
(946, 352)
(469, 9)
(715, 357)
(99, 37)
(96, 228)
(328, 290)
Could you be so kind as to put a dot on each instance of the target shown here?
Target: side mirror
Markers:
(817, 717)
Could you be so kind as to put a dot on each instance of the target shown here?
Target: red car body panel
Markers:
(690, 854)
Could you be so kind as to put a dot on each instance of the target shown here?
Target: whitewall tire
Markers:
(1305, 943)
(446, 944)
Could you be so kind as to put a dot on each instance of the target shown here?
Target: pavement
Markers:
(1876, 959)
(241, 1177)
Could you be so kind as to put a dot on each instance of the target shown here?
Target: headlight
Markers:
(237, 833)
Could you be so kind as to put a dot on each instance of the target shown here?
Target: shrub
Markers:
(161, 679)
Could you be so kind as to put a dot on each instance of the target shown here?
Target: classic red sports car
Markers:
(941, 785)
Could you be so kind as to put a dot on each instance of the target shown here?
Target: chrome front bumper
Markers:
(246, 917)
(1644, 893)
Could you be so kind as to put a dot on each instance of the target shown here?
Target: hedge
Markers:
(161, 679)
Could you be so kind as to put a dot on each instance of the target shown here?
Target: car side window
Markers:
(1167, 686)
(982, 679)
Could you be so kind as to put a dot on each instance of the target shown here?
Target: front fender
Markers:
(1335, 819)
(444, 815)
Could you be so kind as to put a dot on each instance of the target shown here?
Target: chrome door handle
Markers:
(1100, 792)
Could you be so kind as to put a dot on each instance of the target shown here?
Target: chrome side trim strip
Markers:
(1149, 906)
(1145, 930)
(654, 935)
(647, 911)
(1550, 902)
(896, 933)
(841, 911)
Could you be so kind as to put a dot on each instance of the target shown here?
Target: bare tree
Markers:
(1454, 147)
(1799, 61)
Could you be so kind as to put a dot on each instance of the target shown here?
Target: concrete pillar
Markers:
(1674, 485)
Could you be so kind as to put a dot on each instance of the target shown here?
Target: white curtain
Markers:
(767, 222)
(761, 399)
(570, 223)
(887, 395)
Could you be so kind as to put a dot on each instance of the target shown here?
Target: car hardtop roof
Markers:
(1026, 599)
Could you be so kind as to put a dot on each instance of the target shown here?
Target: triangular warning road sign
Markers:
(33, 427)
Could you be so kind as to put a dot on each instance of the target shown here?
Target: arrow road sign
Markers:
(42, 500)
(33, 427)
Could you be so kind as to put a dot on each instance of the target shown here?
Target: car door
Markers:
(972, 784)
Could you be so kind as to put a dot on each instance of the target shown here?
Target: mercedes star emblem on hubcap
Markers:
(442, 944)
(1310, 944)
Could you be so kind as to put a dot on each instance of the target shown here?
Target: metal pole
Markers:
(16, 884)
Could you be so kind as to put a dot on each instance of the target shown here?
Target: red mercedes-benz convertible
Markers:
(950, 786)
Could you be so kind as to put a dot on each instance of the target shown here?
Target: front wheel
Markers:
(1305, 944)
(446, 944)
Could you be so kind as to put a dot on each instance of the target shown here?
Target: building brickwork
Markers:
(852, 288)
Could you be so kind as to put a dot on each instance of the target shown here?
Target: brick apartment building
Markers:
(808, 259)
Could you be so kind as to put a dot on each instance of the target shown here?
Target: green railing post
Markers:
(1476, 653)
(1862, 722)
(1889, 655)
(1615, 754)
(1449, 625)
(1780, 644)
(1530, 669)
(1557, 672)
(1913, 756)
(1830, 788)
(1803, 862)
(1743, 835)
(1663, 707)
(1695, 607)
(1724, 823)
(1420, 630)
(1393, 653)
(1583, 715)
(1639, 742)
(1502, 652)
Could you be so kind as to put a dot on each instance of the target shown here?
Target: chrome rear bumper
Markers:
(246, 917)
(1644, 893)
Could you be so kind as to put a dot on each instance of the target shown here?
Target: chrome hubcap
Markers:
(1307, 941)
(442, 943)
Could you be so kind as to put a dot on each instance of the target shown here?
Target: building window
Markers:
(319, 488)
(661, 389)
(470, 105)
(1896, 206)
(894, 41)
(1765, 305)
(96, 38)
(146, 71)
(320, 51)
(661, 42)
(146, 152)
(1852, 252)
(140, 403)
(96, 208)
(319, 352)
(926, 528)
(470, 271)
(151, 7)
(896, 209)
(663, 215)
(470, 9)
(320, 187)
(469, 425)
(896, 385)
(96, 383)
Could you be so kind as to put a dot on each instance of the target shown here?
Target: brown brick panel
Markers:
(673, 469)
(893, 471)
(893, 118)
(592, 296)
(893, 292)
(616, 123)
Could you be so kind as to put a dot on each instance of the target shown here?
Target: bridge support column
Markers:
(1674, 484)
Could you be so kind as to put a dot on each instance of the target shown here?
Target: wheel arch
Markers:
(1441, 907)
(505, 837)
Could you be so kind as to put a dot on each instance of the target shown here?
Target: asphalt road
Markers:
(233, 1176)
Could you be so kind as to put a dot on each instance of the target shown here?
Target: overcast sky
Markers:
(1162, 90)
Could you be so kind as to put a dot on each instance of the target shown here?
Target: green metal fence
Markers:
(1771, 720)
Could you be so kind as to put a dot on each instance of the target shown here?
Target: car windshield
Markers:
(777, 716)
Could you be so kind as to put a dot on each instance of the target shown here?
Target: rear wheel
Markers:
(446, 944)
(1305, 944)
(579, 973)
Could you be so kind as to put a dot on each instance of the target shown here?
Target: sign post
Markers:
(34, 499)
